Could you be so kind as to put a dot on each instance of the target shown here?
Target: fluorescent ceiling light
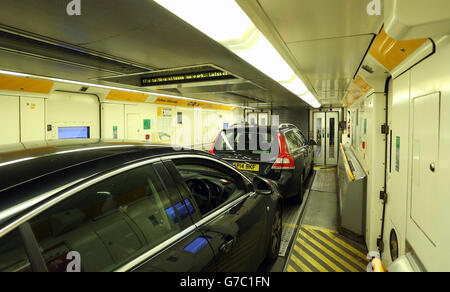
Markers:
(296, 86)
(116, 88)
(309, 98)
(212, 17)
(225, 22)
(13, 73)
(143, 92)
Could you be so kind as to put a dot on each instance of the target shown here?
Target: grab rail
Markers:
(349, 169)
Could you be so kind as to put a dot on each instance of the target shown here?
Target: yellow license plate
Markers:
(247, 166)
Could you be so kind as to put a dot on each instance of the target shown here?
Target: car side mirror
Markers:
(262, 187)
(312, 143)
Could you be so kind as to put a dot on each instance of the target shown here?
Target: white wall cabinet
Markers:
(9, 119)
(32, 119)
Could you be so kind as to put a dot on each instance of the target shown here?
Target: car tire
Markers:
(276, 230)
(301, 191)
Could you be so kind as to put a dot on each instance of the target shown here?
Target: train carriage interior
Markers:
(225, 135)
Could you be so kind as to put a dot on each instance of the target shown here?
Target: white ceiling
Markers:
(137, 33)
(328, 39)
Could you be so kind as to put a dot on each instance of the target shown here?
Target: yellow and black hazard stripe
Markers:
(325, 168)
(322, 250)
(290, 225)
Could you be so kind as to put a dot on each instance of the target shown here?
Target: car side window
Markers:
(13, 257)
(292, 141)
(302, 138)
(109, 223)
(210, 184)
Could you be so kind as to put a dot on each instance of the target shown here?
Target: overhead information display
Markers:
(186, 78)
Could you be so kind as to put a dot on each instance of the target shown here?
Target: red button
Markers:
(147, 137)
(364, 145)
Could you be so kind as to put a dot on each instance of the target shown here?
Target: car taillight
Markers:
(284, 160)
(214, 144)
(284, 163)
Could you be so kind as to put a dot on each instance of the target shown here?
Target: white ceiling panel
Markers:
(330, 64)
(331, 59)
(300, 20)
(328, 39)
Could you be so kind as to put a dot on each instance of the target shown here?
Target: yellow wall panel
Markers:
(15, 83)
(127, 96)
(140, 97)
(191, 103)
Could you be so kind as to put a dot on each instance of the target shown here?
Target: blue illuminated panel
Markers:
(182, 210)
(190, 206)
(171, 212)
(73, 133)
(198, 243)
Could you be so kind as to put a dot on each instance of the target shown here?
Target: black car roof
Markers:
(283, 128)
(20, 166)
(30, 172)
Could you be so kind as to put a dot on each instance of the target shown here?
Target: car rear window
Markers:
(255, 141)
(293, 141)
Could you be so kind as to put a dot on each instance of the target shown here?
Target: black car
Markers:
(280, 153)
(103, 207)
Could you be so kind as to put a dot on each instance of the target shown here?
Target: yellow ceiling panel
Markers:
(390, 52)
(358, 89)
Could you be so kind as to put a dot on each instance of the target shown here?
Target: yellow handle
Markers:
(350, 173)
(378, 266)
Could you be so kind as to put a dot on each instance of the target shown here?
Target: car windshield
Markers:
(248, 140)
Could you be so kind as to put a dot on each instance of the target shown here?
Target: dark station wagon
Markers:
(280, 153)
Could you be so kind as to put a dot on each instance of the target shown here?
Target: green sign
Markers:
(397, 154)
(147, 124)
(115, 134)
(365, 126)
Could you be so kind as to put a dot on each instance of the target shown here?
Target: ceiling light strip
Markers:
(115, 88)
(225, 22)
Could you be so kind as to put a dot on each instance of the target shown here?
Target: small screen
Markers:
(73, 133)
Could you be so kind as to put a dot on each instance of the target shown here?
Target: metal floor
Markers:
(318, 247)
(325, 180)
(291, 219)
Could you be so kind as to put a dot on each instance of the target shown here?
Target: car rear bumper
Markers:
(287, 185)
(285, 180)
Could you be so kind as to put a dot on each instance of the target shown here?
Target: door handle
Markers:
(433, 167)
(227, 246)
